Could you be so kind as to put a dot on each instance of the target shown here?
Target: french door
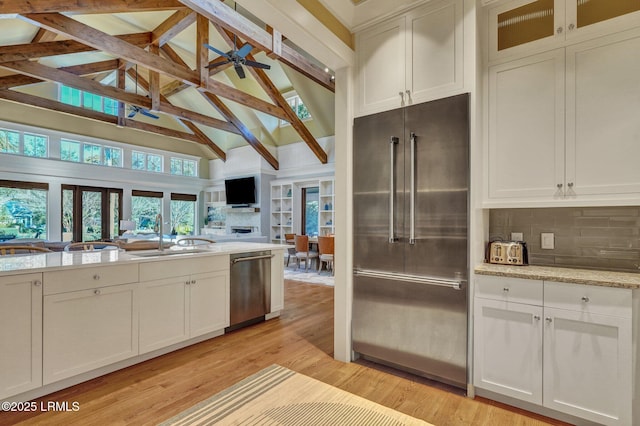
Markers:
(90, 213)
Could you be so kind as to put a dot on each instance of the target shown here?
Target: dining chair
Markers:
(291, 251)
(303, 252)
(326, 252)
(18, 249)
(92, 246)
(194, 241)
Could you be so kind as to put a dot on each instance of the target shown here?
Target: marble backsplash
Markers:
(585, 237)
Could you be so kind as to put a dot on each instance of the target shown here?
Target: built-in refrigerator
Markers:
(410, 254)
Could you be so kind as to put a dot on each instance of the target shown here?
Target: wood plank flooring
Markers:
(301, 340)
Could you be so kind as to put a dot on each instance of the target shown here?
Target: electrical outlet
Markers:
(517, 236)
(547, 240)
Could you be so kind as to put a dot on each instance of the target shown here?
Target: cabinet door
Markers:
(163, 313)
(526, 127)
(277, 281)
(434, 52)
(208, 303)
(508, 349)
(20, 333)
(603, 130)
(88, 329)
(587, 365)
(381, 67)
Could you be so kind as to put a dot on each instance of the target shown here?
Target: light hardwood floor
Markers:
(301, 340)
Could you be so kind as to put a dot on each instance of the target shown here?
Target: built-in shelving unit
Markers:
(326, 209)
(281, 211)
(215, 196)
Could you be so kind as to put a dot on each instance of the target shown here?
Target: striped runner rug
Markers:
(279, 396)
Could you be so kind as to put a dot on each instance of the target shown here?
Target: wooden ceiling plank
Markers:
(173, 88)
(86, 6)
(17, 80)
(172, 26)
(217, 103)
(202, 53)
(223, 15)
(43, 35)
(85, 34)
(92, 67)
(199, 133)
(21, 52)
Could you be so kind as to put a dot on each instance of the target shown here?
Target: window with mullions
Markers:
(182, 167)
(35, 145)
(145, 161)
(90, 153)
(23, 210)
(75, 97)
(296, 104)
(9, 141)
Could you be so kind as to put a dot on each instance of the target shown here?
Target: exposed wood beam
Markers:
(110, 44)
(43, 35)
(172, 26)
(154, 81)
(199, 133)
(147, 127)
(121, 82)
(223, 15)
(21, 52)
(168, 108)
(17, 80)
(267, 85)
(246, 133)
(173, 88)
(202, 53)
(86, 6)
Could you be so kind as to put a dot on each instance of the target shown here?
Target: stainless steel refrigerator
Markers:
(411, 184)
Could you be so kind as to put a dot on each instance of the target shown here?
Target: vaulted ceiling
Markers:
(150, 56)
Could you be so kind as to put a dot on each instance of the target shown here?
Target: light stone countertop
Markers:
(39, 262)
(627, 280)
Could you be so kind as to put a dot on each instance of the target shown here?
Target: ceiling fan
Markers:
(133, 110)
(237, 57)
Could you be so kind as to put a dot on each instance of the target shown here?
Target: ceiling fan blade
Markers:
(239, 70)
(132, 113)
(148, 114)
(244, 50)
(217, 64)
(257, 64)
(219, 52)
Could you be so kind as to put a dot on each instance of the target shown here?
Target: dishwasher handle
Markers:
(248, 258)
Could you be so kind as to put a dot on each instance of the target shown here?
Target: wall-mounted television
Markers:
(241, 191)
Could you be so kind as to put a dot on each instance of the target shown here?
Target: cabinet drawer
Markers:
(150, 271)
(588, 298)
(509, 289)
(87, 278)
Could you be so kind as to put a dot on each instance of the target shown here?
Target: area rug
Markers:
(279, 396)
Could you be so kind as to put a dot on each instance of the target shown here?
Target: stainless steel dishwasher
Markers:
(250, 294)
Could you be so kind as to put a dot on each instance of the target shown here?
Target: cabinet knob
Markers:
(96, 291)
(37, 283)
(187, 282)
(571, 26)
(559, 30)
(536, 317)
(548, 320)
(193, 281)
(559, 186)
(505, 289)
(96, 277)
(570, 184)
(401, 96)
(585, 299)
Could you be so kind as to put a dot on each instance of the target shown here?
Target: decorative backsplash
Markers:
(585, 237)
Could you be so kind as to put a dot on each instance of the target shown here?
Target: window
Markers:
(9, 141)
(299, 107)
(183, 214)
(91, 154)
(89, 213)
(145, 206)
(310, 208)
(183, 167)
(70, 96)
(35, 145)
(145, 161)
(23, 210)
(69, 150)
(112, 157)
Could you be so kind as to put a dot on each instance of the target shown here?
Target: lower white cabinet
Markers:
(569, 351)
(88, 329)
(20, 333)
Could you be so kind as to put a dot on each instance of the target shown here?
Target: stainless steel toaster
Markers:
(508, 252)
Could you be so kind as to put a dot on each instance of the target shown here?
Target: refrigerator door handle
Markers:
(392, 233)
(455, 284)
(412, 195)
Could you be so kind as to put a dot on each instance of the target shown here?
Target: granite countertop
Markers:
(628, 280)
(39, 262)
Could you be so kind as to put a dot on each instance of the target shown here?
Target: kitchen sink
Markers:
(157, 253)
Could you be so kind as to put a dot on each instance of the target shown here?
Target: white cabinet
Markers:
(181, 307)
(87, 329)
(277, 282)
(281, 211)
(562, 124)
(569, 350)
(326, 211)
(410, 59)
(20, 333)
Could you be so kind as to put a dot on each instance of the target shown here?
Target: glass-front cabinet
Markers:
(522, 27)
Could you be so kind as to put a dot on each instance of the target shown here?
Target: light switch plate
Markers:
(517, 236)
(547, 240)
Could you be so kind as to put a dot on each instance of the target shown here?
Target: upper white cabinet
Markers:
(20, 333)
(563, 124)
(523, 27)
(411, 59)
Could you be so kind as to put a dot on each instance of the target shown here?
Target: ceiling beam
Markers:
(246, 133)
(154, 81)
(172, 26)
(43, 35)
(86, 6)
(223, 15)
(17, 80)
(21, 52)
(202, 53)
(110, 44)
(152, 128)
(207, 141)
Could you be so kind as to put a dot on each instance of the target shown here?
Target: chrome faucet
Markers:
(158, 229)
